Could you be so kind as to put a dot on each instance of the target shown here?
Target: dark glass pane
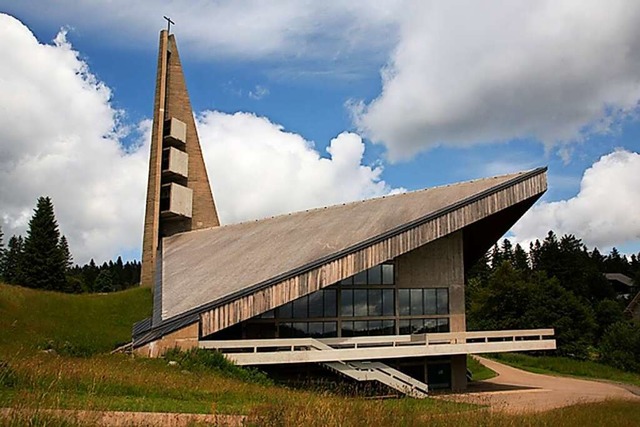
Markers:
(268, 315)
(388, 306)
(417, 326)
(388, 327)
(347, 329)
(405, 327)
(347, 281)
(404, 303)
(286, 311)
(387, 274)
(416, 302)
(375, 327)
(300, 329)
(443, 325)
(430, 301)
(360, 302)
(375, 302)
(330, 329)
(430, 325)
(346, 308)
(375, 275)
(443, 301)
(360, 328)
(360, 278)
(261, 330)
(330, 302)
(300, 307)
(315, 329)
(315, 304)
(286, 330)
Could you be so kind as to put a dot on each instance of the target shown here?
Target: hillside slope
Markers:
(79, 325)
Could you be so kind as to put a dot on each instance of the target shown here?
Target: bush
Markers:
(198, 359)
(620, 346)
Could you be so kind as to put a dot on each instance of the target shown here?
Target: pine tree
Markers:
(520, 260)
(66, 253)
(44, 262)
(14, 261)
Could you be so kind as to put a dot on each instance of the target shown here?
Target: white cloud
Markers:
(605, 211)
(258, 169)
(466, 72)
(296, 29)
(61, 138)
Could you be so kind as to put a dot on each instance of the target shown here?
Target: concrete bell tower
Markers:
(179, 196)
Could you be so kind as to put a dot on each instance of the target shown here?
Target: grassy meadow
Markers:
(54, 353)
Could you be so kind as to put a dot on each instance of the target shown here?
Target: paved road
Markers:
(515, 390)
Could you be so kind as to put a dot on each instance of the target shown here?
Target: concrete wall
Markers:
(437, 265)
(184, 339)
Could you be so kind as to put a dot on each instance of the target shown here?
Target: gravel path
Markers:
(515, 390)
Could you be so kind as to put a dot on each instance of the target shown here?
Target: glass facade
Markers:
(368, 303)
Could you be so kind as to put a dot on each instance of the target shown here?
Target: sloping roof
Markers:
(619, 277)
(204, 266)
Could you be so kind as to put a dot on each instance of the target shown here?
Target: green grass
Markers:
(71, 324)
(80, 373)
(566, 366)
(479, 372)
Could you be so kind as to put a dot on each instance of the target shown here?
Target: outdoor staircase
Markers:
(376, 371)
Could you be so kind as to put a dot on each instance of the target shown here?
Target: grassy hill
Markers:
(80, 374)
(79, 325)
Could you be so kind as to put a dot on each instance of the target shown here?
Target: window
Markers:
(330, 302)
(346, 307)
(388, 302)
(375, 275)
(382, 274)
(387, 274)
(404, 302)
(418, 302)
(301, 308)
(443, 300)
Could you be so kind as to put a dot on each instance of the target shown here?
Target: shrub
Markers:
(198, 359)
(620, 346)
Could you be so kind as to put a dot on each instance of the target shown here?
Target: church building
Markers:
(372, 290)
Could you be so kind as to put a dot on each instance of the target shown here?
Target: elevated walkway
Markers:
(360, 357)
(322, 350)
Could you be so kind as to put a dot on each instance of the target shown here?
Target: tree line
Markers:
(558, 283)
(43, 260)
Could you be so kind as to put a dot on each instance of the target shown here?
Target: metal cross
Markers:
(169, 22)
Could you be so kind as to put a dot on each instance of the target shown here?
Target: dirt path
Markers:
(118, 418)
(515, 390)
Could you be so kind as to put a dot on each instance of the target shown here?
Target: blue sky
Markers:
(433, 93)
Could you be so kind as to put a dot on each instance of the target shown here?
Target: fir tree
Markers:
(520, 260)
(13, 262)
(66, 253)
(44, 262)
